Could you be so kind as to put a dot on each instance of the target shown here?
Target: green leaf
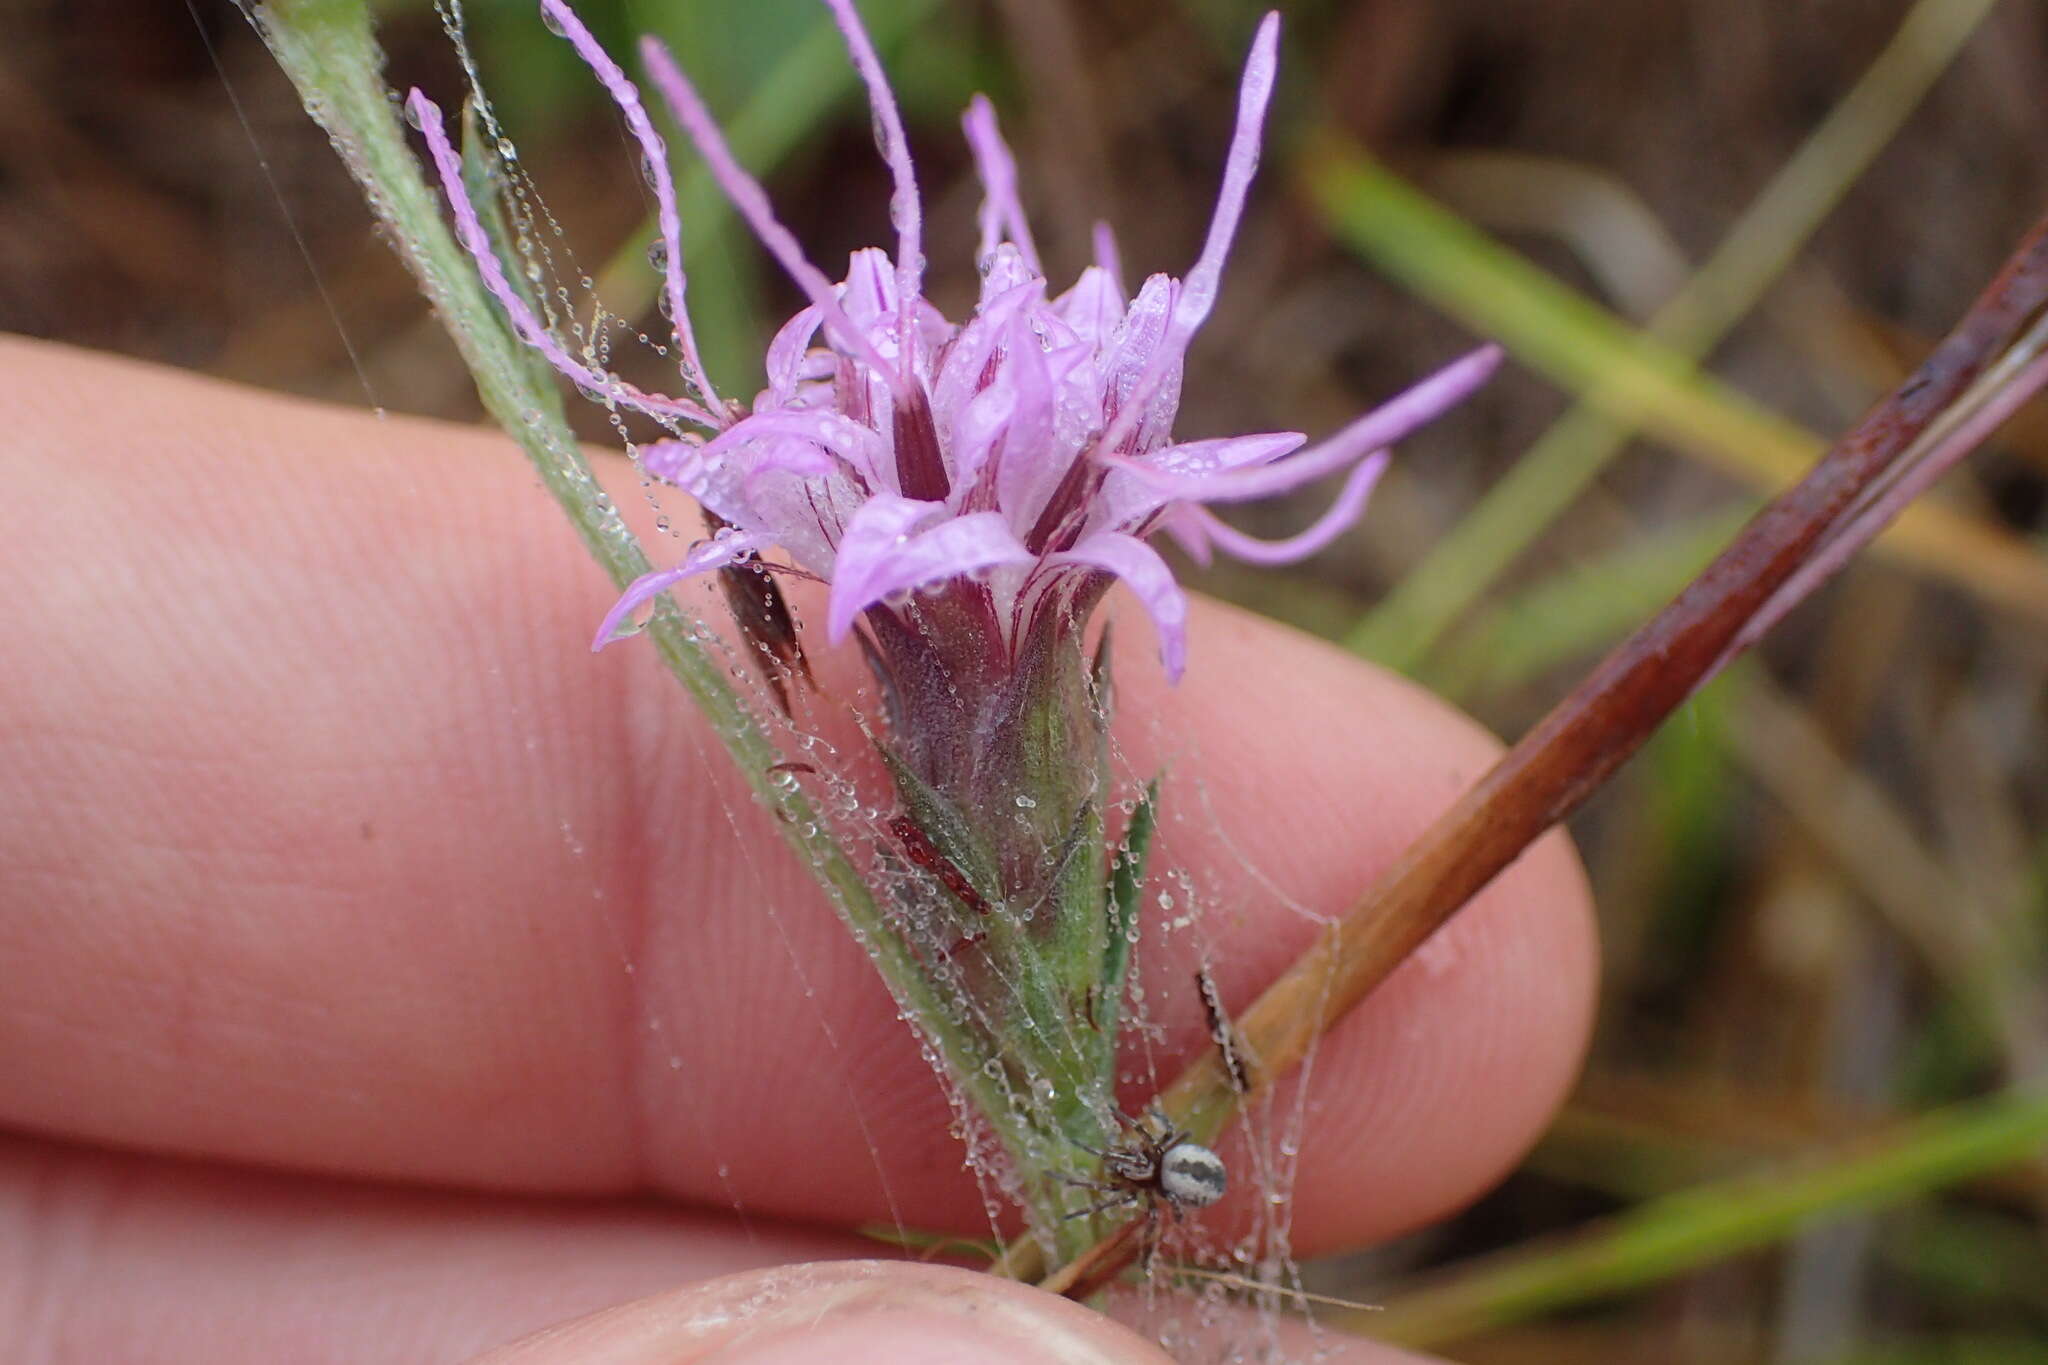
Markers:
(948, 827)
(1126, 889)
(1711, 1222)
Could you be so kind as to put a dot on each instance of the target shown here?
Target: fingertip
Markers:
(852, 1312)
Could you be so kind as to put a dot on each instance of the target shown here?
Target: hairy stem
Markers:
(328, 50)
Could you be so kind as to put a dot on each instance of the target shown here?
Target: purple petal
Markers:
(807, 514)
(1144, 401)
(751, 200)
(666, 460)
(1179, 524)
(1347, 509)
(1147, 575)
(728, 478)
(1127, 500)
(1254, 92)
(1032, 462)
(869, 294)
(1093, 308)
(720, 550)
(427, 117)
(1001, 211)
(994, 328)
(1391, 421)
(975, 432)
(1224, 452)
(1003, 270)
(905, 211)
(654, 154)
(860, 446)
(1107, 259)
(879, 555)
(787, 352)
(710, 479)
(1198, 291)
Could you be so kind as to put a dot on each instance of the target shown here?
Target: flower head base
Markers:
(987, 479)
(968, 492)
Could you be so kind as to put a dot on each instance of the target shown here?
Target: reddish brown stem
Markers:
(1589, 734)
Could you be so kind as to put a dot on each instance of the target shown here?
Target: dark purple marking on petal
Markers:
(1066, 509)
(920, 466)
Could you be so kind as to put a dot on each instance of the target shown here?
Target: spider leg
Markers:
(1119, 1198)
(1148, 1246)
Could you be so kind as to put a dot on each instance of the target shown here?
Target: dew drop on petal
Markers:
(554, 23)
(657, 254)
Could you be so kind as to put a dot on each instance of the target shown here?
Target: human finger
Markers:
(329, 846)
(115, 1257)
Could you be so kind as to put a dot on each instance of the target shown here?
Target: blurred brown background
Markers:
(1789, 877)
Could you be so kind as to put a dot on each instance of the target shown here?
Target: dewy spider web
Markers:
(1264, 1149)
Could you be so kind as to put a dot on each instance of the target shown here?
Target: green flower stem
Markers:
(1711, 1222)
(328, 50)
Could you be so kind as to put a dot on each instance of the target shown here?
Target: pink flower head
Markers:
(1018, 460)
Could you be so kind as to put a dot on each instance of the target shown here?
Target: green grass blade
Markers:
(1681, 1232)
(1627, 378)
(1762, 244)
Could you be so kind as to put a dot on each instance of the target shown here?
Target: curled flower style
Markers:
(992, 476)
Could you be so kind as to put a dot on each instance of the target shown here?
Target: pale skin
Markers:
(325, 845)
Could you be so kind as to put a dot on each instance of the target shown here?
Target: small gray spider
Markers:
(1157, 1165)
